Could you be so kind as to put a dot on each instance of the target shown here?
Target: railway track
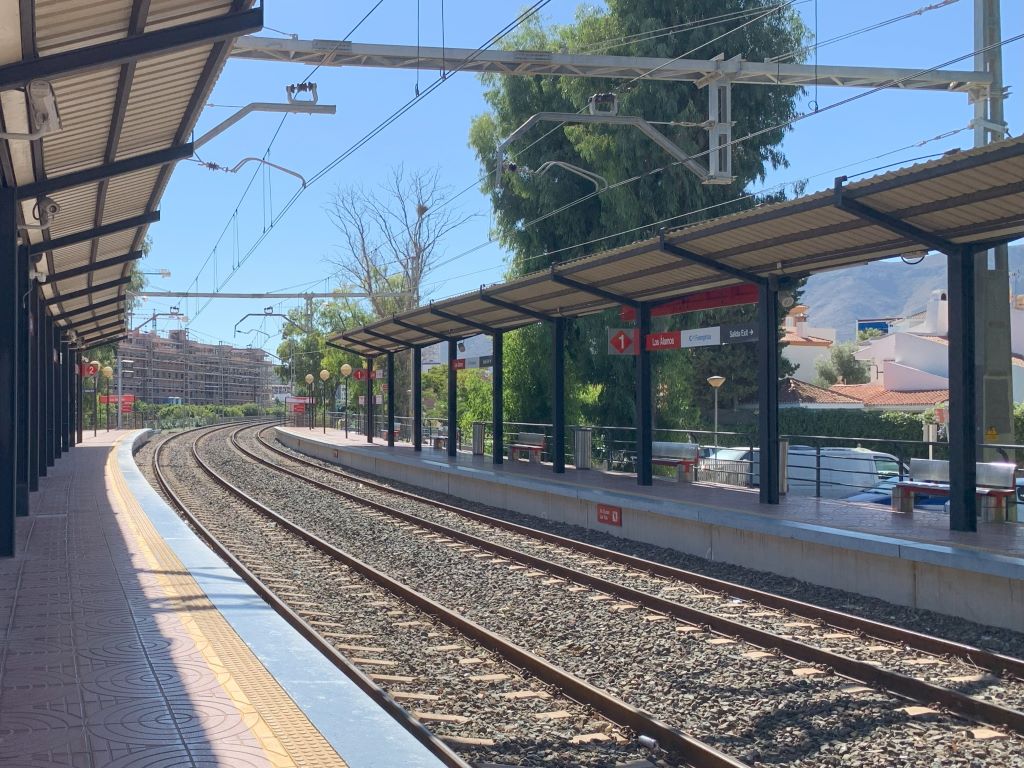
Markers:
(455, 676)
(757, 666)
(875, 654)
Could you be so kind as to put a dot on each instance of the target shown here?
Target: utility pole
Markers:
(992, 361)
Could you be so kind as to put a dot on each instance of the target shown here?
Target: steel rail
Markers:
(381, 697)
(642, 723)
(862, 671)
(997, 663)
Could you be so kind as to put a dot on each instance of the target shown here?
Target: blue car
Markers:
(882, 494)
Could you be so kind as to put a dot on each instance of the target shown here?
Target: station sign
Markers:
(622, 341)
(739, 333)
(609, 515)
(359, 374)
(87, 369)
(459, 364)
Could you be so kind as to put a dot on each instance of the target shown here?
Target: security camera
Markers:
(39, 277)
(45, 211)
(42, 107)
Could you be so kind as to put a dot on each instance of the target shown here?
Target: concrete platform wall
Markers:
(979, 586)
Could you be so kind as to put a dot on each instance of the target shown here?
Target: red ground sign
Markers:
(609, 515)
(359, 374)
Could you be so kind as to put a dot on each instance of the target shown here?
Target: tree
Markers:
(391, 239)
(841, 367)
(664, 189)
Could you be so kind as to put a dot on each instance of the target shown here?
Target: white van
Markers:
(842, 471)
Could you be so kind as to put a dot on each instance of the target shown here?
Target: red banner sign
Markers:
(458, 364)
(662, 340)
(730, 296)
(298, 407)
(609, 515)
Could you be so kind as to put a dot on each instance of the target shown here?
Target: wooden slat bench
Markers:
(995, 486)
(683, 456)
(530, 443)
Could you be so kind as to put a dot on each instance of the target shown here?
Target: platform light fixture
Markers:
(324, 376)
(716, 383)
(309, 390)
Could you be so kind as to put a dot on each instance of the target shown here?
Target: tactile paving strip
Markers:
(257, 704)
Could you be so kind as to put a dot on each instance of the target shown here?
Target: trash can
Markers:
(479, 433)
(582, 447)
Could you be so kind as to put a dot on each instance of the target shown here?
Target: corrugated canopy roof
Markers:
(965, 198)
(130, 78)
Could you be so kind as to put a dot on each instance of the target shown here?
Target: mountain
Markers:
(889, 288)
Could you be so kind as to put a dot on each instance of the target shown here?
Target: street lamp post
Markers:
(716, 382)
(324, 376)
(346, 371)
(108, 374)
(311, 396)
(95, 364)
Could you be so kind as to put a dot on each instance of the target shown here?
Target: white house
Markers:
(804, 343)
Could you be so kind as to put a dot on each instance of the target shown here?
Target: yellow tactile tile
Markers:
(275, 722)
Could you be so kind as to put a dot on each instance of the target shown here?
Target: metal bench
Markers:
(530, 443)
(995, 487)
(683, 456)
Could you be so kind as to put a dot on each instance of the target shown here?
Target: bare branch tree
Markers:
(392, 237)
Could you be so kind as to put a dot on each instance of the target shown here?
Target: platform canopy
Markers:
(973, 197)
(130, 78)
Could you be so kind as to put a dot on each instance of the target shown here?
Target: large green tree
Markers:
(599, 387)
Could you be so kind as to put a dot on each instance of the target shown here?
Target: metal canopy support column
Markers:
(48, 410)
(8, 371)
(40, 390)
(768, 392)
(23, 395)
(65, 394)
(453, 382)
(369, 399)
(498, 399)
(391, 399)
(58, 387)
(35, 398)
(417, 399)
(644, 393)
(963, 441)
(558, 395)
(79, 394)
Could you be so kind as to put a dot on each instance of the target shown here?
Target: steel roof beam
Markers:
(109, 338)
(468, 323)
(88, 291)
(83, 237)
(134, 48)
(106, 171)
(100, 318)
(88, 308)
(844, 202)
(392, 339)
(368, 345)
(495, 301)
(104, 328)
(418, 329)
(713, 264)
(96, 265)
(593, 290)
(345, 349)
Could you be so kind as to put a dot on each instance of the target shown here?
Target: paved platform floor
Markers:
(113, 654)
(872, 519)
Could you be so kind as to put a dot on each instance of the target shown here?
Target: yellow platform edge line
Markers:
(294, 742)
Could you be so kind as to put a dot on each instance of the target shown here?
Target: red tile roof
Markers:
(795, 340)
(876, 394)
(795, 392)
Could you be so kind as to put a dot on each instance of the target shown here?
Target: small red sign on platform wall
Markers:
(459, 364)
(298, 407)
(609, 515)
(662, 340)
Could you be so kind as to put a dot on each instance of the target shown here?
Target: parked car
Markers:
(841, 471)
(882, 494)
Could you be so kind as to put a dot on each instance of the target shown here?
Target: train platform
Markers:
(912, 560)
(127, 643)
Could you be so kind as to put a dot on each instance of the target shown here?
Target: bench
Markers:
(683, 456)
(530, 443)
(995, 487)
(395, 432)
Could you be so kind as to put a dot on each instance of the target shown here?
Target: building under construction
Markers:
(176, 369)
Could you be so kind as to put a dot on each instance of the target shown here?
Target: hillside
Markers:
(881, 289)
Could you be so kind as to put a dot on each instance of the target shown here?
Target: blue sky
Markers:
(198, 209)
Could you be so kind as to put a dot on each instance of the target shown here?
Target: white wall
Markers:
(805, 359)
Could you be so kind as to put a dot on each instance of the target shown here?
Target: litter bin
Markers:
(582, 447)
(478, 437)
